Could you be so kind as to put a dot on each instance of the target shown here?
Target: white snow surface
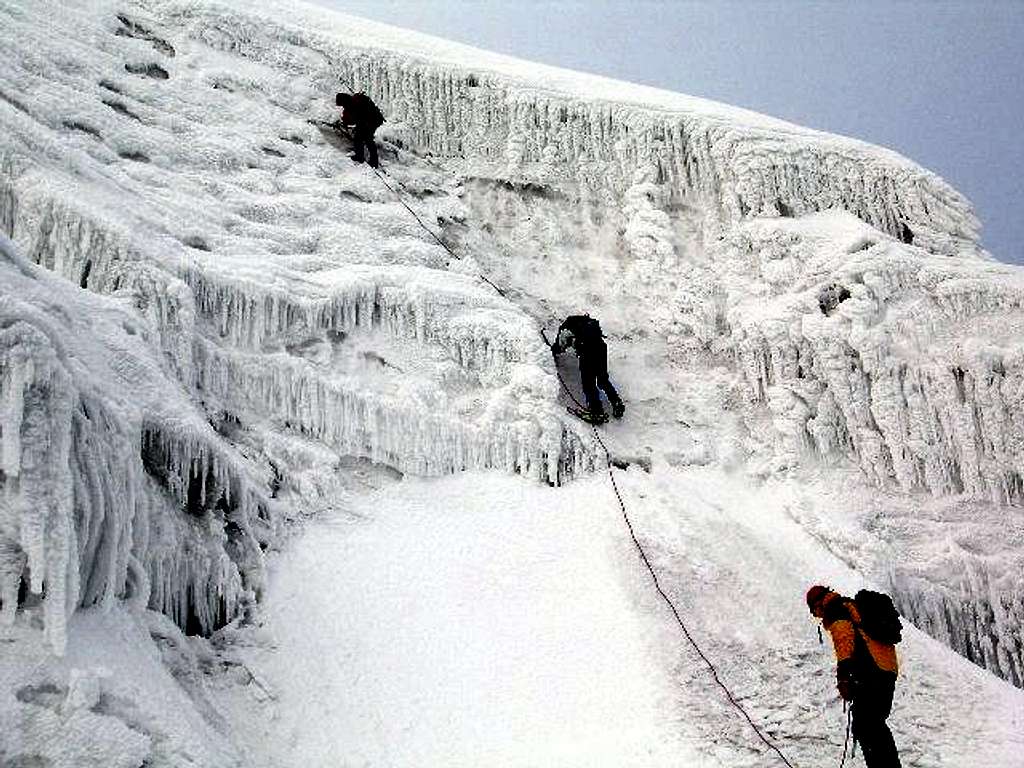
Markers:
(482, 619)
(129, 691)
(438, 643)
(246, 396)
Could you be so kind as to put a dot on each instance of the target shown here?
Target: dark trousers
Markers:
(363, 137)
(872, 703)
(593, 374)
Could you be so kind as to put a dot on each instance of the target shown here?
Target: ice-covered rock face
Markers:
(159, 152)
(907, 362)
(113, 485)
(262, 288)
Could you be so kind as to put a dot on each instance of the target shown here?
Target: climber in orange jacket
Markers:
(866, 671)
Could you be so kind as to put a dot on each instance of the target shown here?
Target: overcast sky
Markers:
(940, 82)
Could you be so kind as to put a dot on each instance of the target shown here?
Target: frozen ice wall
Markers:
(113, 485)
(250, 241)
(242, 280)
(980, 614)
(527, 122)
(907, 362)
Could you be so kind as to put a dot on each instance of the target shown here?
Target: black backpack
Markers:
(879, 618)
(590, 328)
(373, 113)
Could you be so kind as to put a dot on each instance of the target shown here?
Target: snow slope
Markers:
(231, 327)
(480, 619)
(438, 643)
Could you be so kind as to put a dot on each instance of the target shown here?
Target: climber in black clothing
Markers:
(583, 334)
(359, 111)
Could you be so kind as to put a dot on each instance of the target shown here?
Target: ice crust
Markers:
(979, 615)
(917, 375)
(172, 170)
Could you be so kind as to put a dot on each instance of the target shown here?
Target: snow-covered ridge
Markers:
(549, 125)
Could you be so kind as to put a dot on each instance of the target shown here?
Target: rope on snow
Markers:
(625, 515)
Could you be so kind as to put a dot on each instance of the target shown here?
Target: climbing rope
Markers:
(625, 515)
(440, 242)
(419, 221)
(664, 595)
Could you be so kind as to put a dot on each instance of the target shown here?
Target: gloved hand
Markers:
(563, 340)
(845, 686)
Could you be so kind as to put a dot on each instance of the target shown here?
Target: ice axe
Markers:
(846, 743)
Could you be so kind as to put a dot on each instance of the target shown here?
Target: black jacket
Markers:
(582, 333)
(360, 111)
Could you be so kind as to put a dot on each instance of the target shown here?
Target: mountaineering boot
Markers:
(588, 416)
(618, 409)
(371, 149)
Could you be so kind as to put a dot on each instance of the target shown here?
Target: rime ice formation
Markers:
(539, 123)
(114, 486)
(978, 615)
(269, 288)
(911, 363)
(208, 313)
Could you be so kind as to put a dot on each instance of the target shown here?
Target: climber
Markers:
(583, 334)
(864, 637)
(359, 111)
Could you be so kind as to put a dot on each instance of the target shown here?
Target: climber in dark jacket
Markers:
(359, 112)
(866, 671)
(583, 334)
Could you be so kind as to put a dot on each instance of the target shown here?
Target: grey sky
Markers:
(940, 82)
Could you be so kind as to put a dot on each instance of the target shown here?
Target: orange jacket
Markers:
(842, 620)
